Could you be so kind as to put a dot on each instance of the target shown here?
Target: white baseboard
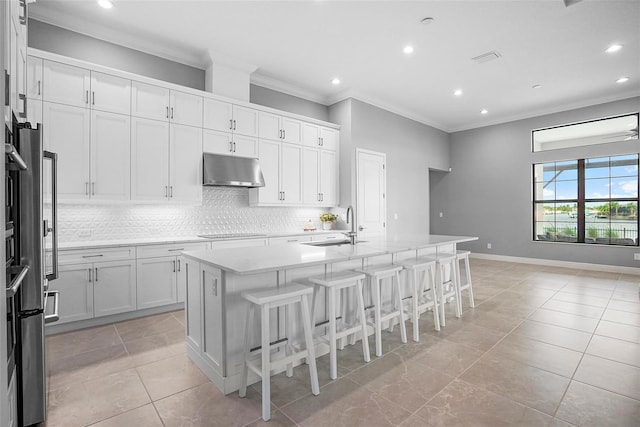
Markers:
(555, 263)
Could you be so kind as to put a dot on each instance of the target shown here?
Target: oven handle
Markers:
(17, 281)
(54, 213)
(55, 316)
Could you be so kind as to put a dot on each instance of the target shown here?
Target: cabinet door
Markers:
(114, 287)
(329, 138)
(186, 109)
(193, 306)
(149, 101)
(269, 152)
(34, 111)
(149, 159)
(76, 292)
(181, 280)
(156, 284)
(218, 115)
(110, 154)
(212, 315)
(186, 164)
(245, 146)
(310, 171)
(34, 78)
(292, 130)
(328, 178)
(65, 84)
(291, 173)
(245, 121)
(217, 142)
(110, 93)
(310, 135)
(269, 126)
(66, 132)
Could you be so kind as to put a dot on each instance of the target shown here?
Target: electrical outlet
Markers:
(636, 256)
(441, 214)
(488, 245)
(395, 216)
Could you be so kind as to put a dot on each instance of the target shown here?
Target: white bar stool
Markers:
(449, 260)
(375, 275)
(464, 256)
(420, 301)
(335, 283)
(288, 296)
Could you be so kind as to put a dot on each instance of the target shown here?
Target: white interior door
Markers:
(371, 205)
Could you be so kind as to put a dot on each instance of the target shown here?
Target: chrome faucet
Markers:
(352, 235)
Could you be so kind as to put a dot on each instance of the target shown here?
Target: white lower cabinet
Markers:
(157, 281)
(193, 306)
(114, 287)
(76, 292)
(212, 315)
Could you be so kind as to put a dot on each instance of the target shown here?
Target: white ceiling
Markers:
(299, 46)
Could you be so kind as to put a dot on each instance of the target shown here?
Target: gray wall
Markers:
(411, 149)
(488, 191)
(282, 101)
(58, 40)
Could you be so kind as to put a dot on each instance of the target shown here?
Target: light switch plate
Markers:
(636, 256)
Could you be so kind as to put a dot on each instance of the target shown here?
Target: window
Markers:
(591, 200)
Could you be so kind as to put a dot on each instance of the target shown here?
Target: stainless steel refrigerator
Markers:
(35, 225)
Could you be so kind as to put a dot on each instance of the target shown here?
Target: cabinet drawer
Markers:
(78, 256)
(154, 251)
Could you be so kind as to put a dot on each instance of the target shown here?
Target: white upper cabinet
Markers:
(280, 128)
(34, 78)
(185, 109)
(319, 136)
(291, 173)
(329, 138)
(328, 178)
(281, 165)
(149, 101)
(310, 176)
(149, 159)
(185, 163)
(218, 115)
(226, 143)
(67, 132)
(245, 121)
(110, 93)
(270, 164)
(110, 154)
(66, 84)
(233, 129)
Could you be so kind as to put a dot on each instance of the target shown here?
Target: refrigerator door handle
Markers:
(55, 316)
(54, 214)
(14, 286)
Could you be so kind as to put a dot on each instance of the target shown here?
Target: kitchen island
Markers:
(215, 311)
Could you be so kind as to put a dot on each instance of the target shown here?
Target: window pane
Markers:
(567, 171)
(548, 192)
(624, 166)
(596, 188)
(624, 187)
(567, 190)
(596, 168)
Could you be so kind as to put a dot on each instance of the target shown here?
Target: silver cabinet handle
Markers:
(322, 197)
(171, 192)
(90, 271)
(174, 266)
(179, 269)
(231, 146)
(284, 134)
(234, 124)
(166, 191)
(86, 97)
(230, 124)
(92, 256)
(234, 147)
(322, 142)
(176, 250)
(93, 188)
(96, 278)
(86, 188)
(23, 17)
(172, 112)
(39, 90)
(23, 98)
(280, 134)
(93, 96)
(361, 228)
(214, 287)
(167, 112)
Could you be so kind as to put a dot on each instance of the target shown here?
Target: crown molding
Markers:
(278, 85)
(162, 50)
(211, 57)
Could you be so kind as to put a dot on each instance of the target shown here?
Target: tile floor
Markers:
(543, 347)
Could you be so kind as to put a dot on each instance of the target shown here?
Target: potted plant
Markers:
(327, 220)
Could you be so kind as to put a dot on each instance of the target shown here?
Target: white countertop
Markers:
(264, 259)
(188, 239)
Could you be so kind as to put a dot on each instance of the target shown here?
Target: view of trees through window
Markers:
(587, 201)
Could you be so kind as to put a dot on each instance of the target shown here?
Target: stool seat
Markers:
(333, 279)
(291, 290)
(417, 263)
(381, 271)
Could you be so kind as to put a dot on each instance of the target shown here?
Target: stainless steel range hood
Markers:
(231, 171)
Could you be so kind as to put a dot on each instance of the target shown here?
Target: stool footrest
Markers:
(278, 363)
(326, 322)
(272, 345)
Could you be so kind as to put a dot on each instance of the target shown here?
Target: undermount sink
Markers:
(332, 242)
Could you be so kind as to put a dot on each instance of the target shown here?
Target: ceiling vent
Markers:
(486, 57)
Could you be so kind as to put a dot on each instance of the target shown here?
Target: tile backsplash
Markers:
(223, 210)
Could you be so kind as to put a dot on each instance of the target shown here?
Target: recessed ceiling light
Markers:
(613, 48)
(335, 81)
(484, 111)
(622, 80)
(536, 86)
(105, 4)
(457, 92)
(408, 49)
(426, 21)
